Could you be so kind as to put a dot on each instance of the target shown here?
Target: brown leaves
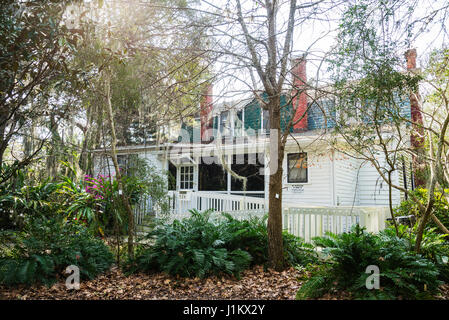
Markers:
(444, 291)
(254, 284)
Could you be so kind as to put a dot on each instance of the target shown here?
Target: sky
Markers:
(318, 36)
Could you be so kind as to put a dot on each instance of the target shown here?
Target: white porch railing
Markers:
(239, 215)
(183, 202)
(303, 221)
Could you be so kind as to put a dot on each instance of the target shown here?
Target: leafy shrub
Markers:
(97, 202)
(82, 205)
(434, 246)
(19, 200)
(197, 246)
(402, 273)
(191, 247)
(440, 207)
(252, 236)
(46, 248)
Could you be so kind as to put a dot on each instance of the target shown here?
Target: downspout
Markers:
(404, 177)
(266, 170)
(333, 177)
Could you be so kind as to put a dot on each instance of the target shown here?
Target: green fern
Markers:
(403, 273)
(317, 285)
(199, 246)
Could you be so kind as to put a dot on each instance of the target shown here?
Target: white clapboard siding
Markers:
(104, 165)
(317, 191)
(334, 179)
(347, 175)
(373, 190)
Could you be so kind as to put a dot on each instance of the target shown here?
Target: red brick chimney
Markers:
(410, 56)
(299, 96)
(416, 138)
(206, 107)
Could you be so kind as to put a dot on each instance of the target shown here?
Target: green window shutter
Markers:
(253, 116)
(215, 123)
(214, 126)
(286, 113)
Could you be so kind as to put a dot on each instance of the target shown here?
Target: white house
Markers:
(235, 136)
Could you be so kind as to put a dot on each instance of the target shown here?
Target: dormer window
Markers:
(238, 125)
(229, 123)
(265, 121)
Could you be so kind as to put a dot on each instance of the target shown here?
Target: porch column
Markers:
(229, 159)
(267, 177)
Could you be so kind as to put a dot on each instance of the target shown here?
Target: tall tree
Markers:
(256, 40)
(34, 47)
(143, 69)
(375, 123)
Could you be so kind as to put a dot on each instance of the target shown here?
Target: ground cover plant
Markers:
(41, 253)
(404, 274)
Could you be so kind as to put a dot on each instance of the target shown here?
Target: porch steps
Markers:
(143, 229)
(145, 226)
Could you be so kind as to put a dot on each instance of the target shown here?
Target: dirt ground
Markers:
(255, 284)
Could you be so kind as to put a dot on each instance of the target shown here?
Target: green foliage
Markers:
(133, 71)
(19, 199)
(191, 247)
(317, 285)
(440, 207)
(371, 91)
(81, 205)
(97, 203)
(352, 251)
(46, 248)
(93, 201)
(437, 72)
(35, 50)
(403, 273)
(434, 246)
(252, 236)
(143, 179)
(199, 246)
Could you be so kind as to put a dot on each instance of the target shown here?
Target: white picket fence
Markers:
(303, 221)
(309, 222)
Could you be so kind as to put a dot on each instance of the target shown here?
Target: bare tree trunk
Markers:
(430, 194)
(83, 161)
(3, 142)
(275, 241)
(390, 203)
(118, 175)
